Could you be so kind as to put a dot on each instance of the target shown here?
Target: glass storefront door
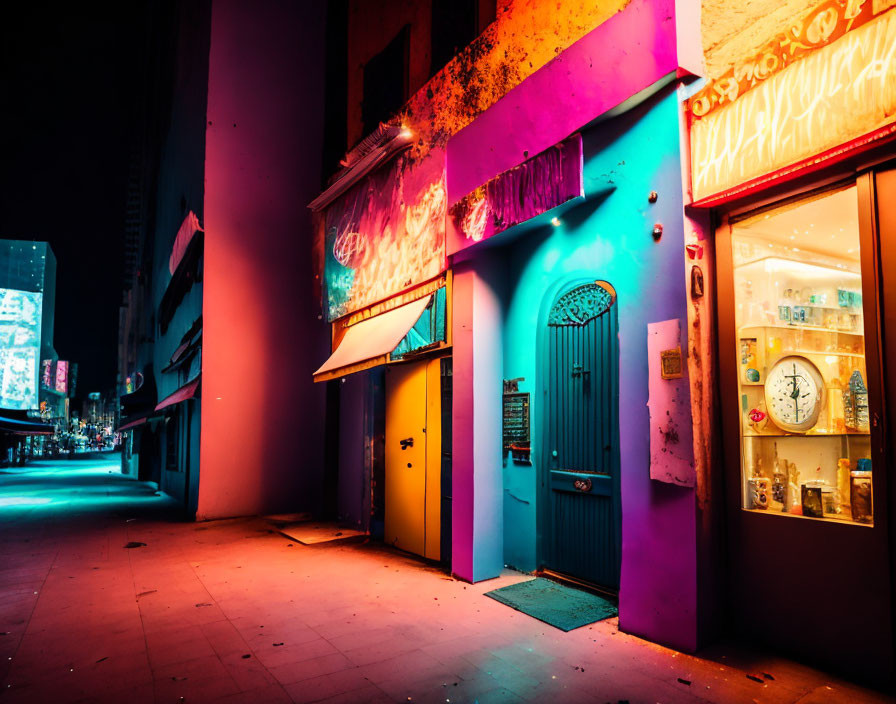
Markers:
(801, 394)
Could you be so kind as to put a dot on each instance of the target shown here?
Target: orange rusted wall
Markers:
(525, 35)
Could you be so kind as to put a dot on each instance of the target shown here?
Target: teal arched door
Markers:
(580, 516)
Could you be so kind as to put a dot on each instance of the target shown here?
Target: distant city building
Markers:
(27, 306)
(27, 311)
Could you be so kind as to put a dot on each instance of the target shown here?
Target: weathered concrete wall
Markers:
(736, 31)
(262, 424)
(526, 35)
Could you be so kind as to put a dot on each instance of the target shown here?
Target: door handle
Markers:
(406, 443)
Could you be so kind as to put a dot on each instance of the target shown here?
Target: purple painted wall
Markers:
(262, 340)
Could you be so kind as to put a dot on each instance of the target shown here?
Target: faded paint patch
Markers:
(671, 453)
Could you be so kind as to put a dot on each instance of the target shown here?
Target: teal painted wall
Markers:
(609, 237)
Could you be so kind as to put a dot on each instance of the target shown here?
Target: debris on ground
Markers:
(134, 544)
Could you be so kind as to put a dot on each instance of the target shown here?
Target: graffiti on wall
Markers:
(384, 235)
(539, 184)
(837, 94)
(825, 24)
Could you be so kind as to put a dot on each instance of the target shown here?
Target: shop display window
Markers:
(802, 382)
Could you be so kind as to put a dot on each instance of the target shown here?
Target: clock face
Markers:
(794, 394)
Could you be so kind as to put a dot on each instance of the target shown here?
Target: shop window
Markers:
(386, 81)
(802, 381)
(455, 24)
(428, 332)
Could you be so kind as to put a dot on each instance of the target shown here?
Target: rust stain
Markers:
(526, 35)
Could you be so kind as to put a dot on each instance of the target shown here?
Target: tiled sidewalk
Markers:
(232, 611)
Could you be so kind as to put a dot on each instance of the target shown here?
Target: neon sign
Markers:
(385, 235)
(539, 184)
(836, 94)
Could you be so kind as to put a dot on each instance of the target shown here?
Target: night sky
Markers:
(67, 96)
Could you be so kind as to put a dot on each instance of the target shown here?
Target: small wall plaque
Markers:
(671, 363)
(516, 426)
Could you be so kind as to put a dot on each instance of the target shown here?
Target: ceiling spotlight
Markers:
(555, 222)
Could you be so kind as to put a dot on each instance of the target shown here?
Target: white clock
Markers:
(794, 394)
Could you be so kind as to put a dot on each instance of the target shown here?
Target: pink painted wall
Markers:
(628, 53)
(262, 419)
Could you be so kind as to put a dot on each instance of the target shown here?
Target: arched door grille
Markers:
(582, 536)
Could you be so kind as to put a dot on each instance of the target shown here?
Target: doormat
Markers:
(555, 604)
(312, 533)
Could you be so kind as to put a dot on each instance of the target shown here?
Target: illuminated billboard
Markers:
(20, 318)
(61, 377)
(385, 235)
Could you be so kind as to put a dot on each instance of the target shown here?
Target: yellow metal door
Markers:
(413, 458)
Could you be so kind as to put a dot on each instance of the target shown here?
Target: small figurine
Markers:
(860, 492)
(758, 420)
(779, 484)
(758, 470)
(759, 494)
(794, 497)
(811, 501)
(855, 403)
(844, 466)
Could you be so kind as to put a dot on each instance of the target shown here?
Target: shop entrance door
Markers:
(413, 457)
(580, 516)
(803, 353)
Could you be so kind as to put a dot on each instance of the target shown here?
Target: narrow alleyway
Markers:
(233, 611)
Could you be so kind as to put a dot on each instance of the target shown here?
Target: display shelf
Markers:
(807, 328)
(826, 353)
(792, 265)
(840, 520)
(810, 434)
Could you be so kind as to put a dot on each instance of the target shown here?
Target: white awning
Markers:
(367, 343)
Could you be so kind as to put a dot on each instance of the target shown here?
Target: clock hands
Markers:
(795, 394)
